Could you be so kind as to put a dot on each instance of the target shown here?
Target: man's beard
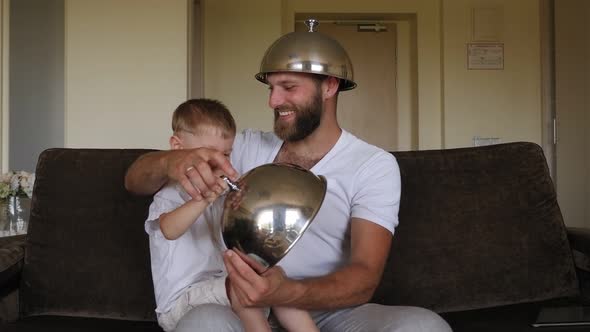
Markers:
(307, 119)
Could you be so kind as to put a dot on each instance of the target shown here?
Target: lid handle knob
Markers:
(311, 24)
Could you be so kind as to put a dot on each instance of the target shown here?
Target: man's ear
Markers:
(175, 143)
(330, 87)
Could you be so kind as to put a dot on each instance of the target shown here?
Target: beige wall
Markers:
(455, 104)
(252, 26)
(492, 103)
(142, 80)
(126, 70)
(236, 35)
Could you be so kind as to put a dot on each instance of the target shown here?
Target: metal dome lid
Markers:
(269, 209)
(308, 52)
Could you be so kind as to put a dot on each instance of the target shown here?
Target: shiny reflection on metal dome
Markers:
(274, 206)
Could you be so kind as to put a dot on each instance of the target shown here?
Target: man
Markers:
(337, 265)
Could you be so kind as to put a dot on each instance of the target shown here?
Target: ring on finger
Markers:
(189, 169)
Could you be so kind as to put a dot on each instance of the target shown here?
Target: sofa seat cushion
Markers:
(76, 324)
(510, 318)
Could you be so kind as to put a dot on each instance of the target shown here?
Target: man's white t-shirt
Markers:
(193, 257)
(363, 182)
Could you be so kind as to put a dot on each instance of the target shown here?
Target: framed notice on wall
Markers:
(485, 56)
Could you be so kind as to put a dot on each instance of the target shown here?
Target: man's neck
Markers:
(310, 150)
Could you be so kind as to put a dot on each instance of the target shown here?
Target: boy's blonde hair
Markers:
(198, 115)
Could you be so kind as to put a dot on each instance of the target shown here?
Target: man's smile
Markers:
(285, 113)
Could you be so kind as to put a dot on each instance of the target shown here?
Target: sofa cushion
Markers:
(479, 227)
(86, 252)
(12, 253)
(510, 318)
(76, 324)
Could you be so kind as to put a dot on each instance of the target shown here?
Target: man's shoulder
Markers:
(365, 152)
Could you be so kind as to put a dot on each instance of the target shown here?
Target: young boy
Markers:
(185, 235)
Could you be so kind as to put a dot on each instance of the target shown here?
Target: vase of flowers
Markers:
(16, 190)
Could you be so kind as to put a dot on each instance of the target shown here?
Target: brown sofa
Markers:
(481, 240)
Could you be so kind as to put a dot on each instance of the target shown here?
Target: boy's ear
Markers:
(175, 143)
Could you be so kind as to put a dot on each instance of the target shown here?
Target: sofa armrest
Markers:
(579, 239)
(12, 240)
(12, 254)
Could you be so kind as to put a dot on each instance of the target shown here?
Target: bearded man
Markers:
(337, 264)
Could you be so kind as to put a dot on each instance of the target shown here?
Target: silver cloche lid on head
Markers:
(308, 52)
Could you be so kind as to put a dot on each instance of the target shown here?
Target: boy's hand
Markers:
(212, 196)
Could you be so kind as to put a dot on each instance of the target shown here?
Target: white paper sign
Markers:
(485, 56)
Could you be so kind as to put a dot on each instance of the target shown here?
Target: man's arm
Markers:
(351, 285)
(194, 169)
(147, 174)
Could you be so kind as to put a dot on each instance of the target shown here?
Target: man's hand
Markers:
(198, 171)
(254, 286)
(350, 285)
(233, 300)
(252, 319)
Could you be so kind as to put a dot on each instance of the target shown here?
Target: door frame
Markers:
(549, 112)
(4, 86)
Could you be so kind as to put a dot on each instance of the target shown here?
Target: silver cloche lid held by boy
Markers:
(268, 209)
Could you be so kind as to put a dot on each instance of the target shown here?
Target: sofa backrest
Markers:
(479, 227)
(87, 253)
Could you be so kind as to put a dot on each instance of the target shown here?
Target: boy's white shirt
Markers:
(195, 256)
(363, 182)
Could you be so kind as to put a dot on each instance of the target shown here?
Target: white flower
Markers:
(16, 184)
(28, 184)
